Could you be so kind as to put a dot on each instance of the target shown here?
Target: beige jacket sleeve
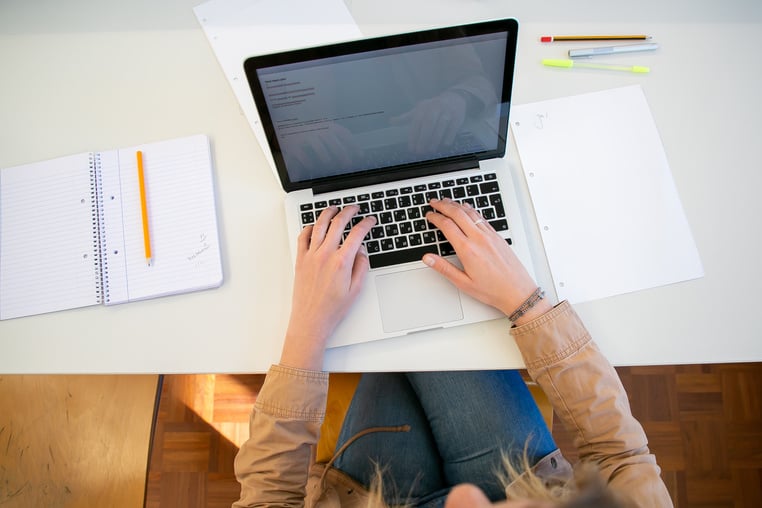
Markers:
(273, 465)
(588, 396)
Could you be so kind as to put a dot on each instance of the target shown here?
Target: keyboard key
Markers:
(404, 201)
(488, 213)
(392, 192)
(377, 195)
(435, 185)
(420, 225)
(406, 190)
(321, 204)
(349, 199)
(461, 181)
(400, 215)
(364, 208)
(372, 247)
(385, 218)
(363, 197)
(390, 203)
(497, 202)
(400, 242)
(386, 244)
(472, 190)
(377, 206)
(305, 206)
(334, 202)
(445, 193)
(458, 192)
(415, 240)
(482, 201)
(489, 187)
(418, 199)
(448, 183)
(406, 228)
(490, 176)
(419, 188)
(431, 195)
(401, 256)
(308, 218)
(445, 249)
(476, 178)
(414, 213)
(377, 232)
(499, 225)
(429, 237)
(391, 230)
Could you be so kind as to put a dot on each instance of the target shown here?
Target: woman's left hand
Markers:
(328, 278)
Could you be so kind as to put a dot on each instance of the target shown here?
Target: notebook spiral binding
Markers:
(99, 229)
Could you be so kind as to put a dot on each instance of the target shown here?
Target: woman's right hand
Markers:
(491, 271)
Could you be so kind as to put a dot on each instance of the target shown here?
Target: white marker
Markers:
(613, 50)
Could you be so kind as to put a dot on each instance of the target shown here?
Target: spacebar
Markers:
(400, 256)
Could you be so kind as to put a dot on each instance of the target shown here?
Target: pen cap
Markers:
(552, 62)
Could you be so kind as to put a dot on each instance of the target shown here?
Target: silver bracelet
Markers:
(537, 295)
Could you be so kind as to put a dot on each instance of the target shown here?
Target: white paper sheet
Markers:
(605, 201)
(238, 29)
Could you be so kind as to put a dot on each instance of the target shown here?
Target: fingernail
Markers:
(429, 260)
(363, 251)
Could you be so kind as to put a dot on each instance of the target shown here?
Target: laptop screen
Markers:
(390, 104)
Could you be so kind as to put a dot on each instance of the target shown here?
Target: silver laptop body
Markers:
(389, 123)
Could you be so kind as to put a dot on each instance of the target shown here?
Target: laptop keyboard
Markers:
(402, 234)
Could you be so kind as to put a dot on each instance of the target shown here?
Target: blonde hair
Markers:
(585, 489)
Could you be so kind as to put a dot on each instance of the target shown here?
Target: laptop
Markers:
(388, 123)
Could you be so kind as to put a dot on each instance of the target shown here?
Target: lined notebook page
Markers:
(182, 221)
(47, 243)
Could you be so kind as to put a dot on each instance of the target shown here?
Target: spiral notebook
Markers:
(71, 228)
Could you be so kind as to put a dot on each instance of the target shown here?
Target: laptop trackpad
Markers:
(416, 298)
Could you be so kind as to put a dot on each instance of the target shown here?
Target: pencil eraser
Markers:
(546, 38)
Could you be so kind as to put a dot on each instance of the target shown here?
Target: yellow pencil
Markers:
(144, 207)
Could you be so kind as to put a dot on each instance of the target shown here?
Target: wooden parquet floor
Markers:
(704, 424)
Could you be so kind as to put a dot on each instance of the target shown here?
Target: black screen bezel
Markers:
(509, 26)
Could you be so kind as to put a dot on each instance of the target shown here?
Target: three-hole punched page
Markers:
(606, 204)
(71, 228)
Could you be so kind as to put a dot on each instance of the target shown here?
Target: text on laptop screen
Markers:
(387, 107)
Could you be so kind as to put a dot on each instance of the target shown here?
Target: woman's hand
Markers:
(491, 271)
(328, 278)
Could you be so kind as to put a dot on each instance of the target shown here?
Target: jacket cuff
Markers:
(552, 337)
(294, 394)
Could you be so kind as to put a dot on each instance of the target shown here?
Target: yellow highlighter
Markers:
(638, 69)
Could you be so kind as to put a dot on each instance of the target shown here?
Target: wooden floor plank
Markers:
(75, 440)
(704, 424)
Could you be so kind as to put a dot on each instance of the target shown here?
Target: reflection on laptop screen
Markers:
(387, 107)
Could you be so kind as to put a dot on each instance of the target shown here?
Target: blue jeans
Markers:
(462, 423)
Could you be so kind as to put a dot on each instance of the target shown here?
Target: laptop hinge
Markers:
(415, 172)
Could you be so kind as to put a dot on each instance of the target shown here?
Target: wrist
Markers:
(538, 310)
(303, 351)
(532, 306)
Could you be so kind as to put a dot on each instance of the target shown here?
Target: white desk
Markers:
(81, 75)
